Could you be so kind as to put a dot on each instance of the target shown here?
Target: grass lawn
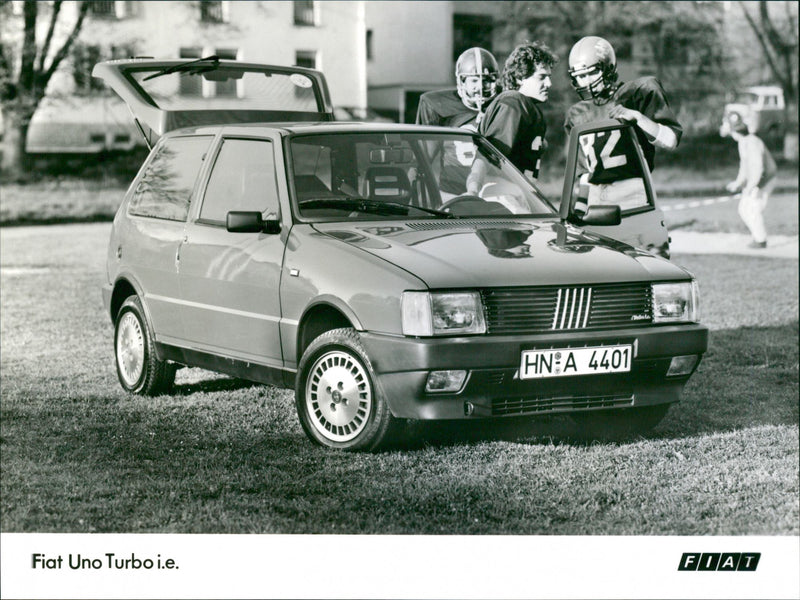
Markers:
(221, 455)
(59, 201)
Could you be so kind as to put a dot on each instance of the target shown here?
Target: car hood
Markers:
(469, 254)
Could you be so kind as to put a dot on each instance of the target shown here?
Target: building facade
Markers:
(412, 47)
(77, 116)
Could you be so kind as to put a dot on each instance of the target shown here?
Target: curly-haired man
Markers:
(514, 123)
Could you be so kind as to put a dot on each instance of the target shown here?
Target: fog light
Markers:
(445, 381)
(682, 365)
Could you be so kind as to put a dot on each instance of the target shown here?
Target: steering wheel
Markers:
(448, 204)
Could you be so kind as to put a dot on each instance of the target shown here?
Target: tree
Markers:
(777, 38)
(23, 89)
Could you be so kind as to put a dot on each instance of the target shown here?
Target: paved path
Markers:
(693, 242)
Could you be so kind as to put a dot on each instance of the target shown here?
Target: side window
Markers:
(165, 190)
(243, 178)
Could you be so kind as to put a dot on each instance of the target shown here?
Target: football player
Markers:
(609, 165)
(477, 83)
(514, 122)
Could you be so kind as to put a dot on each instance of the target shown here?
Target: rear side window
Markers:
(243, 178)
(165, 190)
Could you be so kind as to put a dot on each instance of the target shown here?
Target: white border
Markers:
(382, 566)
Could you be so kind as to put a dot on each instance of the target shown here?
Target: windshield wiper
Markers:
(187, 66)
(370, 206)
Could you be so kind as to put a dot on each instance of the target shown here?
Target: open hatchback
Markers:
(164, 95)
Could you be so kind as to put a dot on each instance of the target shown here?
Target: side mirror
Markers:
(599, 215)
(246, 221)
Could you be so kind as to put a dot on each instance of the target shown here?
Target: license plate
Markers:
(565, 362)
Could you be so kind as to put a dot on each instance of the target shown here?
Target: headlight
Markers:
(438, 313)
(673, 302)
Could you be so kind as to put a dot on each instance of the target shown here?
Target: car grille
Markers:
(524, 406)
(554, 308)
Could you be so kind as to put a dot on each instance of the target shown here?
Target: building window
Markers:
(470, 31)
(310, 60)
(113, 10)
(84, 57)
(226, 88)
(306, 58)
(104, 10)
(305, 12)
(214, 12)
(123, 51)
(195, 85)
(370, 48)
(190, 85)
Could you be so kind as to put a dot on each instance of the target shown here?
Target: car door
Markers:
(230, 281)
(611, 144)
(151, 235)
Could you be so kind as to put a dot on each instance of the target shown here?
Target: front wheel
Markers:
(610, 424)
(138, 367)
(338, 401)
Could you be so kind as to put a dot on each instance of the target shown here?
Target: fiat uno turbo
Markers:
(263, 240)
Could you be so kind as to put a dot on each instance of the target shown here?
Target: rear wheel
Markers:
(610, 424)
(138, 368)
(338, 402)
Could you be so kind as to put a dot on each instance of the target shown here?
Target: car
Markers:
(78, 125)
(264, 240)
(762, 107)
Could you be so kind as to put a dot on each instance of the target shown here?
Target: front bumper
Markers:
(493, 387)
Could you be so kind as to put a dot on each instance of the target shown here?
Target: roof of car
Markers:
(764, 89)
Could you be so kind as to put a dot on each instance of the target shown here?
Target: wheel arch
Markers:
(123, 288)
(320, 317)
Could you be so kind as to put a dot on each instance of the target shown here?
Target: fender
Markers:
(134, 283)
(290, 329)
(337, 303)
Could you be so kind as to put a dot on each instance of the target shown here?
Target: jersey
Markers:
(515, 125)
(608, 156)
(444, 108)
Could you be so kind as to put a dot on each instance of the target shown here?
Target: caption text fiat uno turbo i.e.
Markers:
(263, 240)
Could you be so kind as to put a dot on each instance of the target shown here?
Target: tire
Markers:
(138, 368)
(339, 402)
(611, 424)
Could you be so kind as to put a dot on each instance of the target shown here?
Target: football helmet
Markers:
(477, 63)
(593, 57)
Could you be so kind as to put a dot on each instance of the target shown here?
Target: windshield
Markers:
(745, 98)
(367, 176)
